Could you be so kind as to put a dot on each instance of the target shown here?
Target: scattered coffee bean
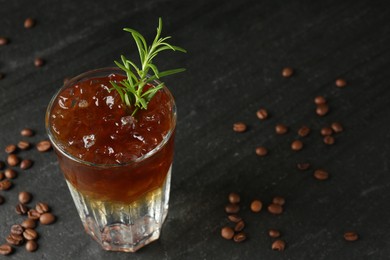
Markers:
(297, 145)
(43, 146)
(17, 229)
(275, 209)
(27, 132)
(278, 245)
(23, 145)
(42, 207)
(26, 164)
(351, 236)
(227, 233)
(239, 237)
(11, 148)
(234, 218)
(239, 226)
(5, 249)
(319, 100)
(233, 198)
(256, 206)
(340, 83)
(21, 209)
(278, 200)
(239, 127)
(321, 174)
(5, 184)
(326, 131)
(281, 129)
(10, 173)
(262, 114)
(31, 246)
(329, 140)
(261, 151)
(304, 131)
(13, 160)
(33, 214)
(38, 62)
(303, 166)
(322, 109)
(29, 23)
(274, 233)
(30, 234)
(29, 223)
(3, 41)
(337, 127)
(1, 199)
(24, 197)
(14, 240)
(287, 72)
(232, 208)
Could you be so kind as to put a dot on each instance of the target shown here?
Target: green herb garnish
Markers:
(131, 90)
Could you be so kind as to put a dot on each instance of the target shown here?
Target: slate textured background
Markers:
(236, 50)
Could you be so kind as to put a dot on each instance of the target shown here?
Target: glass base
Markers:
(124, 227)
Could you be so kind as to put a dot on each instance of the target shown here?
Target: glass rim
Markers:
(72, 157)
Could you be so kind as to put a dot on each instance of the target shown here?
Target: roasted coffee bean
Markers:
(29, 23)
(239, 127)
(42, 207)
(21, 209)
(13, 160)
(5, 184)
(38, 62)
(27, 132)
(262, 114)
(17, 229)
(30, 234)
(303, 166)
(239, 226)
(287, 72)
(278, 245)
(24, 197)
(304, 131)
(256, 206)
(15, 240)
(261, 151)
(281, 129)
(3, 41)
(26, 164)
(10, 173)
(5, 249)
(33, 214)
(337, 127)
(234, 218)
(29, 223)
(322, 109)
(232, 208)
(319, 100)
(2, 165)
(278, 200)
(274, 233)
(43, 146)
(340, 83)
(31, 245)
(24, 145)
(227, 233)
(234, 198)
(321, 175)
(329, 140)
(351, 236)
(326, 131)
(275, 209)
(297, 145)
(1, 199)
(11, 148)
(239, 237)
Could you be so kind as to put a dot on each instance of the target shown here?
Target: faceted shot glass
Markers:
(121, 206)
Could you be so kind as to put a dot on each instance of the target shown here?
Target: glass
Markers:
(122, 206)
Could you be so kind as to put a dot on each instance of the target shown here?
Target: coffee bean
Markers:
(1, 199)
(43, 146)
(326, 131)
(27, 132)
(262, 114)
(38, 62)
(13, 160)
(274, 233)
(26, 164)
(239, 226)
(239, 237)
(24, 197)
(319, 100)
(15, 240)
(2, 165)
(10, 173)
(239, 127)
(281, 129)
(11, 148)
(351, 236)
(322, 109)
(29, 223)
(303, 166)
(337, 127)
(278, 245)
(275, 209)
(261, 151)
(33, 214)
(321, 174)
(256, 206)
(234, 218)
(17, 229)
(304, 131)
(227, 233)
(30, 234)
(3, 41)
(31, 246)
(24, 145)
(5, 249)
(21, 209)
(232, 208)
(297, 145)
(278, 200)
(340, 83)
(5, 184)
(42, 207)
(234, 198)
(329, 140)
(29, 23)
(287, 72)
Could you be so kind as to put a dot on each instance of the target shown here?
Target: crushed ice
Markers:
(89, 140)
(83, 103)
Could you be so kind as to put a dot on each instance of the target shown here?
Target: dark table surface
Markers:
(236, 51)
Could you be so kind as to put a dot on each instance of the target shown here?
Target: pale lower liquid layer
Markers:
(124, 227)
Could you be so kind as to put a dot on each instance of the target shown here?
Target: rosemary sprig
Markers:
(131, 89)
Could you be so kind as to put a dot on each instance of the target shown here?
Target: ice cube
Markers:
(89, 140)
